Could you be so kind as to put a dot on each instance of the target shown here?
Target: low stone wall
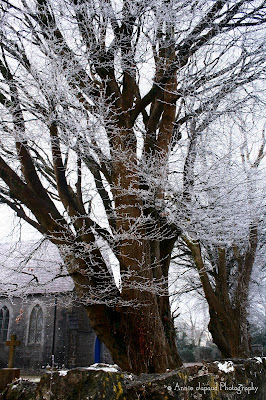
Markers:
(227, 380)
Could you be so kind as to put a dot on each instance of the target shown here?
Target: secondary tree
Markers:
(226, 205)
(96, 98)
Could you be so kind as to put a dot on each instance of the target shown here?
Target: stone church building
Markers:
(38, 305)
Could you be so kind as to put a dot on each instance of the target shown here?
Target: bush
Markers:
(206, 353)
(187, 355)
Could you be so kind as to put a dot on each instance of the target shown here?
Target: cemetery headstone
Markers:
(7, 375)
(12, 343)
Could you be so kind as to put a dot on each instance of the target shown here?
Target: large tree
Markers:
(227, 205)
(95, 99)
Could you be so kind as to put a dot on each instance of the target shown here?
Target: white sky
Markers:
(13, 229)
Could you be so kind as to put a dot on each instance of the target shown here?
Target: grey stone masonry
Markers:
(223, 380)
(65, 332)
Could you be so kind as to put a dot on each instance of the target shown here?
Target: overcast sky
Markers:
(13, 229)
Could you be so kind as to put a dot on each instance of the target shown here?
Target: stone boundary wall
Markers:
(226, 380)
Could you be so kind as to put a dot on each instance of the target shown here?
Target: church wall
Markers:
(29, 355)
(71, 339)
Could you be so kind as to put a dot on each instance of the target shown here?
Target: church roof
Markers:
(32, 268)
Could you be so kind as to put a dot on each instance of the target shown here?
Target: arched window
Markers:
(4, 323)
(36, 324)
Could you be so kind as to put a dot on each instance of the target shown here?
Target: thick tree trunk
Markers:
(139, 332)
(219, 334)
(138, 329)
(137, 338)
(231, 335)
(228, 315)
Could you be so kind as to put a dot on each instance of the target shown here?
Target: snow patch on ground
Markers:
(63, 372)
(226, 366)
(104, 367)
(15, 383)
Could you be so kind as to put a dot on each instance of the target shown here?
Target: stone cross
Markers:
(12, 343)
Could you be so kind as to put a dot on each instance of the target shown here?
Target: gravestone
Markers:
(7, 375)
(12, 343)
